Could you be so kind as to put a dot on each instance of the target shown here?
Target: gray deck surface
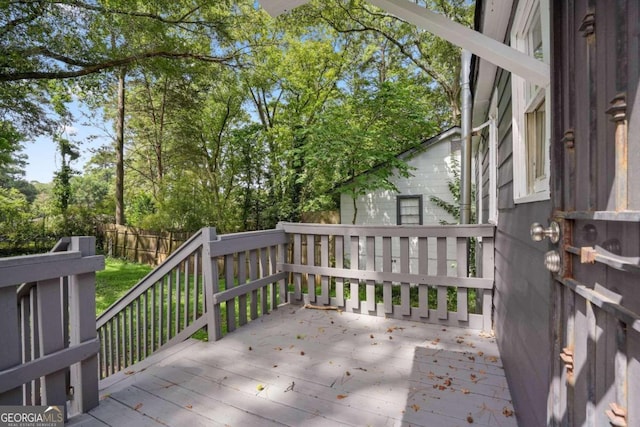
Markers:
(306, 367)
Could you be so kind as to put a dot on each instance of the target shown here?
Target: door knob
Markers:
(538, 232)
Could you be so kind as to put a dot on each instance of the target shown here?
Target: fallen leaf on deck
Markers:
(507, 412)
(129, 372)
(138, 406)
(415, 407)
(278, 348)
(459, 341)
(302, 353)
(348, 373)
(371, 336)
(250, 348)
(259, 387)
(493, 359)
(189, 406)
(436, 341)
(465, 391)
(470, 419)
(480, 353)
(482, 372)
(447, 382)
(341, 396)
(390, 337)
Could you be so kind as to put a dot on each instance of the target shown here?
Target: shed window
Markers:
(410, 210)
(531, 122)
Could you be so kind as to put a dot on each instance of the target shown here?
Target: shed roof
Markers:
(411, 152)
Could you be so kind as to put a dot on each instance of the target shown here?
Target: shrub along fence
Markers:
(137, 245)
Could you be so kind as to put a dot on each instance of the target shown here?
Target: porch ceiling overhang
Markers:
(477, 43)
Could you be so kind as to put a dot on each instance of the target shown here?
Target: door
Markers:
(595, 195)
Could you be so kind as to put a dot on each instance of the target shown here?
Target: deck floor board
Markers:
(304, 367)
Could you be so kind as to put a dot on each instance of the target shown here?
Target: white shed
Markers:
(411, 204)
(431, 165)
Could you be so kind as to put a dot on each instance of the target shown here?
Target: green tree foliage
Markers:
(14, 215)
(231, 118)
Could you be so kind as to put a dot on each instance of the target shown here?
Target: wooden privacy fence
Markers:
(137, 245)
(49, 347)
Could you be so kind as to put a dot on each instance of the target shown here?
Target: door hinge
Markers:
(588, 255)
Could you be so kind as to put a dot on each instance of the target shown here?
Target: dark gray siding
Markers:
(522, 296)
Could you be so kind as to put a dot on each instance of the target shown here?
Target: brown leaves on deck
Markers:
(492, 359)
(415, 407)
(138, 406)
(507, 412)
(189, 406)
(470, 419)
(341, 396)
(435, 342)
(465, 391)
(129, 372)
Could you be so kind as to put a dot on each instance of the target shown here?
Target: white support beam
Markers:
(477, 43)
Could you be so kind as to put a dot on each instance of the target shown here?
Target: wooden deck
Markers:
(306, 367)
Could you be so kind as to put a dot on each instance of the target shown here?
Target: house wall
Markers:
(597, 60)
(431, 170)
(522, 296)
(431, 174)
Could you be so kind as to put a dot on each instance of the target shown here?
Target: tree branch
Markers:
(95, 68)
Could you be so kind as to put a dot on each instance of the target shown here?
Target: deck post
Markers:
(82, 328)
(210, 272)
(10, 348)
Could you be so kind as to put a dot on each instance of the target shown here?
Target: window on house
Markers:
(409, 210)
(531, 124)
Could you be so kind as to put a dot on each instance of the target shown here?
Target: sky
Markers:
(43, 158)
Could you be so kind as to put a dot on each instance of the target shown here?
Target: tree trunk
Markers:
(120, 220)
(355, 209)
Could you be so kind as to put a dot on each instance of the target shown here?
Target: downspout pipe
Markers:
(465, 161)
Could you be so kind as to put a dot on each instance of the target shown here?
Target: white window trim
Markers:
(493, 158)
(526, 8)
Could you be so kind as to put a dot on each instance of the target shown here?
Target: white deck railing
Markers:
(49, 347)
(219, 283)
(408, 272)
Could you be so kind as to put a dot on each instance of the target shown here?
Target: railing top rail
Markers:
(239, 242)
(457, 230)
(35, 259)
(32, 268)
(61, 245)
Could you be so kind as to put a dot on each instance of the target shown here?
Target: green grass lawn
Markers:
(115, 280)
